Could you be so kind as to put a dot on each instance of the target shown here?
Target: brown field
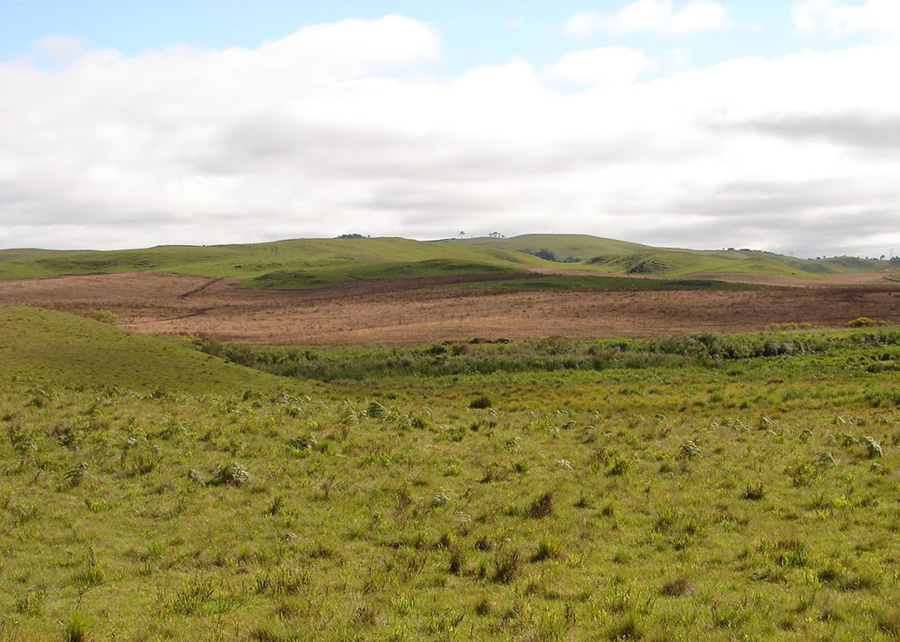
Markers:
(409, 312)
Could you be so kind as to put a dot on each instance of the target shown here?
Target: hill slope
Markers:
(619, 257)
(308, 263)
(580, 246)
(58, 349)
(317, 261)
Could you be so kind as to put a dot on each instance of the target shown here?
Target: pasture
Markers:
(702, 486)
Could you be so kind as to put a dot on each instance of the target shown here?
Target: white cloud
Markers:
(603, 66)
(63, 46)
(356, 46)
(53, 52)
(300, 137)
(879, 17)
(652, 16)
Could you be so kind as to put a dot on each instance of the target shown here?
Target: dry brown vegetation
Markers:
(409, 312)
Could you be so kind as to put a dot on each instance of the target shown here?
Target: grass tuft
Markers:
(543, 506)
(677, 587)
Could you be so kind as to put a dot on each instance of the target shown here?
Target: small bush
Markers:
(481, 402)
(303, 442)
(275, 507)
(620, 467)
(376, 411)
(753, 491)
(75, 475)
(861, 322)
(231, 474)
(689, 450)
(104, 316)
(873, 448)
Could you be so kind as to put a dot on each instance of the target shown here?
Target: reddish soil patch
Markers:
(408, 312)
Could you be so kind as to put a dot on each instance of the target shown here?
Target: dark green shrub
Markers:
(481, 402)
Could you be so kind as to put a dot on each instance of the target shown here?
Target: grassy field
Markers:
(310, 263)
(311, 278)
(702, 487)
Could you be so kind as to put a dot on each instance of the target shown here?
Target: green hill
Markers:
(292, 263)
(57, 349)
(307, 263)
(578, 246)
(687, 263)
(619, 257)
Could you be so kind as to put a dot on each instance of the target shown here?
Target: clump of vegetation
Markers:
(104, 316)
(873, 448)
(753, 491)
(507, 565)
(689, 450)
(231, 474)
(861, 322)
(542, 506)
(481, 402)
(303, 442)
(677, 587)
(376, 410)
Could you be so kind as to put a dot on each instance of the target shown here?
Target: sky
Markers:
(706, 124)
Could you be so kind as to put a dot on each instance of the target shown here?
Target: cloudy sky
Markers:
(696, 123)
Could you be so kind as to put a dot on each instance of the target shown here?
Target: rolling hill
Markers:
(46, 348)
(580, 246)
(310, 263)
(620, 257)
(293, 263)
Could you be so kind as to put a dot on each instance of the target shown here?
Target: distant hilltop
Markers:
(306, 263)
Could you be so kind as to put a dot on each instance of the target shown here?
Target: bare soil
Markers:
(417, 311)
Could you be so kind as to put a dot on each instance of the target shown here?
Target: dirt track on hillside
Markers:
(409, 312)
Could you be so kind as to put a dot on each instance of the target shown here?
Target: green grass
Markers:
(58, 349)
(704, 487)
(320, 277)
